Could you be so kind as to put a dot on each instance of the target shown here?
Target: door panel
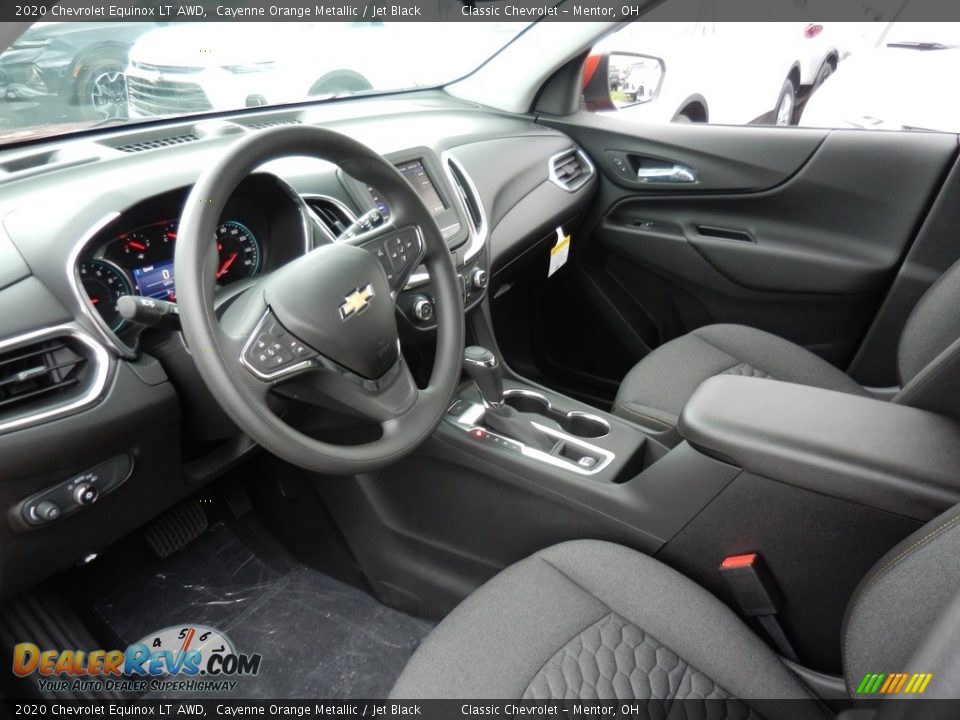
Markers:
(839, 225)
(727, 159)
(804, 241)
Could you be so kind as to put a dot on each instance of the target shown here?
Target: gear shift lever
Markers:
(484, 368)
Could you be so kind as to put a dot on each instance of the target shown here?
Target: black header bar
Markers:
(477, 10)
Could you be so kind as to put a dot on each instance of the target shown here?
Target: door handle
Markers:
(675, 174)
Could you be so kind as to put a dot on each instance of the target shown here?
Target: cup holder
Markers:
(585, 426)
(527, 402)
(576, 423)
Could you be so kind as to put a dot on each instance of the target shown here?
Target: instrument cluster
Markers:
(139, 261)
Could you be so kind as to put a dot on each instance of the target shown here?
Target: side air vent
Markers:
(333, 215)
(158, 143)
(49, 373)
(571, 169)
(43, 373)
(467, 193)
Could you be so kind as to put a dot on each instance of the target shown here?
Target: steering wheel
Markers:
(322, 328)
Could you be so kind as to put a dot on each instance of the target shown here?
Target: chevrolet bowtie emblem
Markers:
(356, 302)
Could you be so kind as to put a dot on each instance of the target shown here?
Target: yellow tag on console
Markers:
(559, 252)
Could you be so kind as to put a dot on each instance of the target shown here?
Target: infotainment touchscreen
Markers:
(416, 175)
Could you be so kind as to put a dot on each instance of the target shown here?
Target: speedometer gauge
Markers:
(105, 284)
(239, 252)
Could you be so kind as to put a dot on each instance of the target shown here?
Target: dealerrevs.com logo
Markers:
(178, 658)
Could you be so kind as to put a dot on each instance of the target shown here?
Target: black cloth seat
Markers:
(593, 620)
(654, 392)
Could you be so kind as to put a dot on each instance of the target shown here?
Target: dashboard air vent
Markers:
(47, 371)
(158, 143)
(272, 123)
(334, 216)
(570, 169)
(467, 194)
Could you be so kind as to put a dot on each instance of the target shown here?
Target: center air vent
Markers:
(48, 373)
(333, 215)
(570, 169)
(467, 193)
(156, 143)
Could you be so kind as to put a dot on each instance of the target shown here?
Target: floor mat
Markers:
(318, 637)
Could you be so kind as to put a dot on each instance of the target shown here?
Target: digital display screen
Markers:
(156, 281)
(416, 175)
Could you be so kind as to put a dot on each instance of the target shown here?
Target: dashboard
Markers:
(85, 221)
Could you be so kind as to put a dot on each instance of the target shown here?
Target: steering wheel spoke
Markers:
(332, 386)
(399, 251)
(272, 353)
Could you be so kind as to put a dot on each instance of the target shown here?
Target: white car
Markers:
(886, 87)
(708, 71)
(193, 67)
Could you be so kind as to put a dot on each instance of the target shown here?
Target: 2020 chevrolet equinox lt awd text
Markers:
(467, 384)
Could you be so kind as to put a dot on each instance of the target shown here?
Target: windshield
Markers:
(60, 77)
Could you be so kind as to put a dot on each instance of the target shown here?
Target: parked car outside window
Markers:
(69, 70)
(894, 84)
(720, 72)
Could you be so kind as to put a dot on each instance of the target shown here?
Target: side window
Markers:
(871, 74)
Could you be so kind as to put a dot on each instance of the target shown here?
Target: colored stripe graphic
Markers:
(900, 684)
(870, 683)
(894, 683)
(890, 683)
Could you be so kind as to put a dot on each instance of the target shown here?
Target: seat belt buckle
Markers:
(751, 583)
(755, 591)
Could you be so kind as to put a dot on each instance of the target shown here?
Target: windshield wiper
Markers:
(917, 45)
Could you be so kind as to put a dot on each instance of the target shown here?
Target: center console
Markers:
(524, 422)
(786, 472)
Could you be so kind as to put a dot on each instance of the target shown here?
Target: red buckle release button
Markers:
(739, 561)
(751, 584)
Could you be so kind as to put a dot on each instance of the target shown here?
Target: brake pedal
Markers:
(176, 528)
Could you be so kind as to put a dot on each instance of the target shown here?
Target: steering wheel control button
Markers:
(383, 255)
(79, 491)
(397, 253)
(274, 349)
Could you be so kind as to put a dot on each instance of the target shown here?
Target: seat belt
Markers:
(756, 593)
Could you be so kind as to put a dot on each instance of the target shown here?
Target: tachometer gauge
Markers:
(239, 252)
(105, 284)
